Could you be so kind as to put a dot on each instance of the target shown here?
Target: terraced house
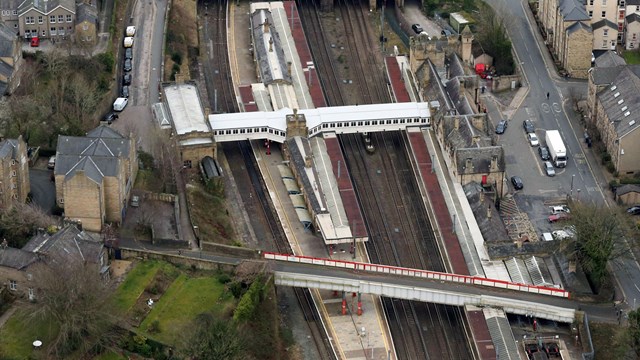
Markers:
(14, 171)
(48, 19)
(94, 176)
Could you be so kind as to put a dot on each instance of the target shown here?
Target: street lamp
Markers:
(572, 177)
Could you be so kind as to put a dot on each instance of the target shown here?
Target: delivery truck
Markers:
(557, 150)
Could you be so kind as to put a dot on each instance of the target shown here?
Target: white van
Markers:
(120, 104)
(131, 31)
(128, 42)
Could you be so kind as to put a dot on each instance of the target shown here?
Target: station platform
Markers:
(395, 69)
(345, 331)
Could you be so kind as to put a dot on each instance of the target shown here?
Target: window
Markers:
(13, 285)
(634, 36)
(52, 31)
(61, 201)
(590, 13)
(29, 20)
(15, 26)
(85, 27)
(187, 164)
(44, 33)
(638, 8)
(40, 19)
(31, 294)
(69, 18)
(605, 32)
(52, 19)
(604, 14)
(605, 43)
(604, 2)
(15, 12)
(591, 2)
(61, 30)
(4, 12)
(60, 18)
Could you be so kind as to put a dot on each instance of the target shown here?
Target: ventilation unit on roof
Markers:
(627, 113)
(613, 87)
(632, 122)
(620, 101)
(624, 108)
(616, 94)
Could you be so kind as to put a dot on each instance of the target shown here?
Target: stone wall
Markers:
(245, 253)
(505, 82)
(201, 264)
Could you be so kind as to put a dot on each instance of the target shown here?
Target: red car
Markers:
(558, 217)
(35, 41)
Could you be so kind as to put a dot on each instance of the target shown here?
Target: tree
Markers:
(19, 222)
(212, 338)
(599, 237)
(492, 35)
(72, 294)
(633, 331)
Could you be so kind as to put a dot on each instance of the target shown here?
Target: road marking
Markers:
(557, 108)
(545, 107)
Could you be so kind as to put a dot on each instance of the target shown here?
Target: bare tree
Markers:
(71, 293)
(19, 222)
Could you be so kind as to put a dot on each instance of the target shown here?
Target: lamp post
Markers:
(571, 192)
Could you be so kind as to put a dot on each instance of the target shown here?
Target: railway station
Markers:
(308, 176)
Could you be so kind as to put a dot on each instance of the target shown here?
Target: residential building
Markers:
(628, 8)
(605, 35)
(10, 60)
(632, 33)
(14, 171)
(601, 10)
(628, 194)
(47, 19)
(9, 13)
(87, 23)
(67, 244)
(613, 109)
(94, 176)
(569, 34)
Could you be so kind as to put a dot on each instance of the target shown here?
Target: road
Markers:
(580, 179)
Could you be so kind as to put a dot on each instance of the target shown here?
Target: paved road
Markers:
(579, 178)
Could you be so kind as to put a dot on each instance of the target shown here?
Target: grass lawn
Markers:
(632, 57)
(135, 283)
(183, 300)
(18, 334)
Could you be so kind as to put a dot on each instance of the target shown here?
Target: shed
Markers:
(458, 21)
(628, 194)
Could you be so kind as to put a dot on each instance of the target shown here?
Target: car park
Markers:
(544, 153)
(417, 28)
(634, 210)
(517, 182)
(127, 65)
(549, 169)
(528, 126)
(128, 53)
(126, 79)
(502, 127)
(533, 139)
(124, 92)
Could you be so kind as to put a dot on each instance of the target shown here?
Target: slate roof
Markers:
(87, 12)
(606, 75)
(633, 2)
(8, 148)
(579, 26)
(602, 23)
(10, 4)
(627, 188)
(7, 40)
(481, 157)
(625, 87)
(45, 7)
(492, 228)
(16, 258)
(573, 10)
(68, 241)
(104, 131)
(633, 17)
(608, 58)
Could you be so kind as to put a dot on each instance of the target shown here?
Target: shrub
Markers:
(154, 327)
(224, 278)
(236, 289)
(177, 58)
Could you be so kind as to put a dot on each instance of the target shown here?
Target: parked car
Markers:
(502, 127)
(446, 32)
(558, 217)
(127, 65)
(517, 182)
(35, 41)
(128, 53)
(417, 28)
(135, 201)
(634, 210)
(533, 139)
(52, 162)
(549, 169)
(110, 117)
(559, 209)
(528, 126)
(562, 234)
(124, 92)
(126, 79)
(544, 153)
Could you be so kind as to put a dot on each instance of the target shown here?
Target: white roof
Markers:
(184, 106)
(196, 141)
(315, 117)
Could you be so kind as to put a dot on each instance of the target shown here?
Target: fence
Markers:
(433, 275)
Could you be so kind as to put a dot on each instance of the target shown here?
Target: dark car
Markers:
(124, 92)
(127, 65)
(528, 126)
(517, 182)
(502, 126)
(417, 28)
(126, 79)
(445, 32)
(544, 153)
(128, 53)
(110, 117)
(634, 210)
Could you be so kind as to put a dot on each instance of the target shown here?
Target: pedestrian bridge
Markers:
(421, 285)
(272, 125)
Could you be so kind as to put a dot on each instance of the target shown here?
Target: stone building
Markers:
(628, 194)
(87, 23)
(47, 19)
(613, 109)
(605, 35)
(14, 171)
(10, 60)
(94, 176)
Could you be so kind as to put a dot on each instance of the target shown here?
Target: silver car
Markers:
(548, 167)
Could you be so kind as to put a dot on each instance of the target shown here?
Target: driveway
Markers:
(43, 189)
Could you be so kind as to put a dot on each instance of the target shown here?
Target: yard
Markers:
(632, 57)
(18, 334)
